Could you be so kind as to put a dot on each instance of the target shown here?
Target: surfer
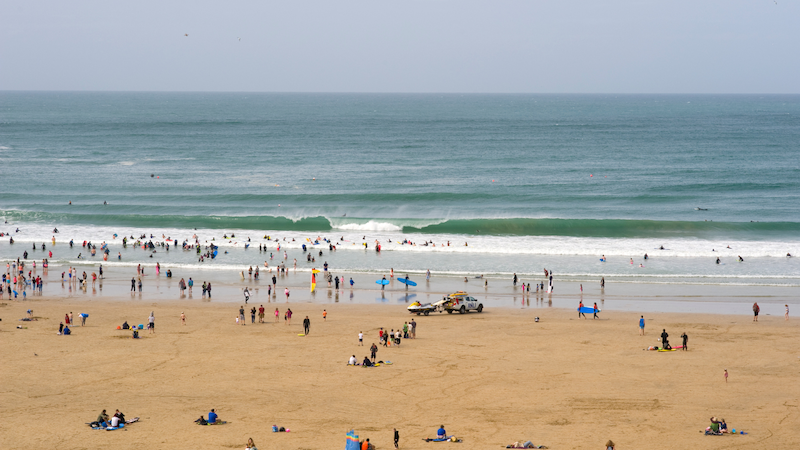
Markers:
(661, 248)
(602, 282)
(717, 260)
(645, 256)
(664, 339)
(580, 310)
(595, 311)
(741, 259)
(515, 280)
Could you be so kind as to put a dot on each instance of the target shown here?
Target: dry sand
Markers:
(490, 378)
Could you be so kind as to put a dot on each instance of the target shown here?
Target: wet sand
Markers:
(491, 378)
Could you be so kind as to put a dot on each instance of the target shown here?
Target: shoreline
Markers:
(228, 288)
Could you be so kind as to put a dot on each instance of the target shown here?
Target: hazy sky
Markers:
(655, 46)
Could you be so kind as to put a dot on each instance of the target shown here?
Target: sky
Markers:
(556, 46)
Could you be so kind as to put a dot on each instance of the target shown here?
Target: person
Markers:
(413, 329)
(353, 361)
(756, 310)
(396, 438)
(120, 416)
(306, 325)
(441, 433)
(183, 318)
(151, 322)
(67, 332)
(383, 282)
(595, 311)
(287, 294)
(664, 339)
(361, 338)
(580, 310)
(114, 421)
(365, 445)
(641, 326)
(251, 445)
(515, 280)
(261, 314)
(324, 315)
(610, 445)
(246, 295)
(786, 315)
(241, 314)
(102, 419)
(726, 375)
(253, 315)
(212, 417)
(714, 425)
(685, 341)
(373, 350)
(602, 282)
(133, 284)
(366, 362)
(723, 426)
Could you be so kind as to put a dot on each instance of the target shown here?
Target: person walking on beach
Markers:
(306, 325)
(396, 438)
(373, 351)
(151, 322)
(253, 315)
(208, 288)
(133, 284)
(246, 295)
(361, 338)
(324, 315)
(277, 315)
(726, 375)
(261, 314)
(664, 339)
(241, 315)
(685, 341)
(580, 310)
(756, 310)
(595, 311)
(287, 294)
(383, 282)
(602, 282)
(289, 316)
(786, 316)
(641, 326)
(515, 280)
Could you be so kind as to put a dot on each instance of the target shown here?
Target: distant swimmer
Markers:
(645, 256)
(186, 34)
(717, 260)
(788, 255)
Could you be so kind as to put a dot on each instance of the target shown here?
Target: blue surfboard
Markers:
(407, 281)
(383, 282)
(587, 310)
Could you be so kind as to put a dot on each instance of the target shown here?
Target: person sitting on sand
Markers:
(102, 419)
(441, 433)
(723, 427)
(125, 326)
(714, 428)
(212, 417)
(251, 445)
(610, 445)
(352, 361)
(120, 416)
(367, 362)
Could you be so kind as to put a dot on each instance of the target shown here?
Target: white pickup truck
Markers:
(457, 301)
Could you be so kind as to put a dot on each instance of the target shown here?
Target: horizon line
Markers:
(380, 92)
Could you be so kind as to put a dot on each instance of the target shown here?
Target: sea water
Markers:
(514, 183)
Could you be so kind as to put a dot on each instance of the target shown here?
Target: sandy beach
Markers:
(492, 378)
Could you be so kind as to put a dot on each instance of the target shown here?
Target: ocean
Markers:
(515, 183)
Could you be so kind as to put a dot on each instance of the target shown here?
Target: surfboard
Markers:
(383, 282)
(215, 253)
(587, 310)
(407, 281)
(602, 260)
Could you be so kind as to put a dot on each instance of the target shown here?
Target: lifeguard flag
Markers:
(313, 282)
